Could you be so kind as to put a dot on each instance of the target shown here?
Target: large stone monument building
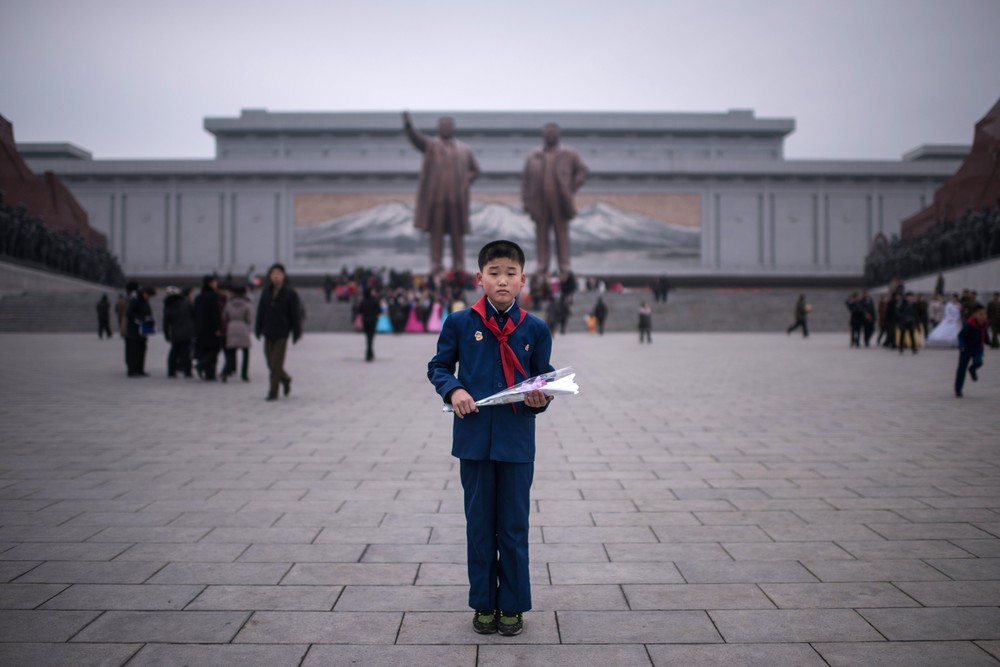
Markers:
(707, 194)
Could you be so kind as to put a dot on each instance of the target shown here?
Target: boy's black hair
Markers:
(976, 307)
(497, 249)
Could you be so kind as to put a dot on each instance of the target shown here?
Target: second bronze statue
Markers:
(552, 175)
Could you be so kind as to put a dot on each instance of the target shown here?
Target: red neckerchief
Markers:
(508, 359)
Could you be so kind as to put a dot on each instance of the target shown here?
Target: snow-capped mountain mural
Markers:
(600, 233)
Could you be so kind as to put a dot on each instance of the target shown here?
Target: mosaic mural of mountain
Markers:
(602, 237)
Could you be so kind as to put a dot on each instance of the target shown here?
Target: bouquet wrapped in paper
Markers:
(556, 383)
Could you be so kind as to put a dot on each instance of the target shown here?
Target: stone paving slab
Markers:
(223, 655)
(712, 499)
(66, 655)
(905, 654)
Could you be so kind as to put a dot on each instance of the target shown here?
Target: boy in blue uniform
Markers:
(494, 345)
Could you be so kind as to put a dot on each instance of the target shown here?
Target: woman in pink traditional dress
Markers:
(413, 323)
(435, 320)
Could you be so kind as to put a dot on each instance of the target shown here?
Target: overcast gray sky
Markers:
(865, 79)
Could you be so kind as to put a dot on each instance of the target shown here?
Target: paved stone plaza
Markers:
(710, 499)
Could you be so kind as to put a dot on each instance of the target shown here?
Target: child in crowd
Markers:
(494, 345)
(238, 317)
(645, 322)
(971, 341)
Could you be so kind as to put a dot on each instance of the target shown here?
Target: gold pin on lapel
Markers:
(479, 336)
(526, 346)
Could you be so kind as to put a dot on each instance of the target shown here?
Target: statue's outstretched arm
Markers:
(416, 137)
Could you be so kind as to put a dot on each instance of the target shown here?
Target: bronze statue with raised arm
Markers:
(442, 209)
(552, 175)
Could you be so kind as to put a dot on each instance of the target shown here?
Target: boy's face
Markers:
(980, 316)
(502, 278)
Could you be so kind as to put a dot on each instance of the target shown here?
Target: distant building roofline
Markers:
(734, 121)
(53, 151)
(938, 152)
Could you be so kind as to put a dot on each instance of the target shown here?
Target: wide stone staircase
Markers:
(694, 309)
(32, 300)
(39, 302)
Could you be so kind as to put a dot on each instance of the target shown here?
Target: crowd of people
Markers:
(216, 323)
(28, 239)
(411, 303)
(908, 320)
(905, 319)
(972, 237)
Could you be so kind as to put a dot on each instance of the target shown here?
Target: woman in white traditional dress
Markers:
(945, 334)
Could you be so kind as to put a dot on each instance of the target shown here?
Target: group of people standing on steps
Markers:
(216, 321)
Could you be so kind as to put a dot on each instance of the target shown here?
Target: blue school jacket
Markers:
(496, 433)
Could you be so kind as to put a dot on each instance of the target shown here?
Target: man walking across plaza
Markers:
(279, 316)
(552, 175)
(801, 316)
(442, 208)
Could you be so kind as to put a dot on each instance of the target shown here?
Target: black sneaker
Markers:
(972, 374)
(484, 622)
(287, 385)
(510, 624)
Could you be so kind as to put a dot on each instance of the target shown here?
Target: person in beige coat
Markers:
(238, 316)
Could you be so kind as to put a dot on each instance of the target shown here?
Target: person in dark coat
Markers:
(993, 318)
(645, 323)
(207, 329)
(883, 320)
(853, 304)
(278, 317)
(892, 319)
(369, 308)
(907, 319)
(801, 313)
(868, 314)
(138, 323)
(564, 313)
(103, 317)
(923, 315)
(971, 344)
(178, 329)
(600, 314)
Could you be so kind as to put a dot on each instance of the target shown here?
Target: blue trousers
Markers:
(497, 504)
(964, 357)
